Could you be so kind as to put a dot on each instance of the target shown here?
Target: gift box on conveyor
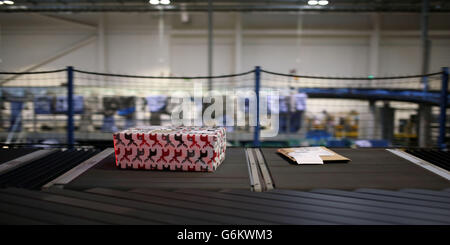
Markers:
(170, 148)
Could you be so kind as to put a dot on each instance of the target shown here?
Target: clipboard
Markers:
(332, 157)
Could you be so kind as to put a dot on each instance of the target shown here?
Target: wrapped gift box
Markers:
(165, 148)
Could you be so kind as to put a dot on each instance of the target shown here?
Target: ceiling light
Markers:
(1, 2)
(8, 2)
(312, 2)
(165, 2)
(154, 2)
(323, 2)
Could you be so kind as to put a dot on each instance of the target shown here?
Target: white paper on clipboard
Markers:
(306, 158)
(310, 155)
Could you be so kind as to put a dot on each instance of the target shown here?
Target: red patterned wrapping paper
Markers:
(165, 148)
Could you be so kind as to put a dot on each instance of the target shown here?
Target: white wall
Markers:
(188, 55)
(331, 44)
(314, 56)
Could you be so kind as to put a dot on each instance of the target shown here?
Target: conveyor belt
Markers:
(362, 192)
(10, 154)
(369, 168)
(232, 173)
(193, 206)
(382, 169)
(436, 157)
(36, 173)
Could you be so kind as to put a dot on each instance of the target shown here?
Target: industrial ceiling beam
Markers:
(225, 1)
(217, 9)
(222, 6)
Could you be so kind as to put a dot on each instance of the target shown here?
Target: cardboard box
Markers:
(165, 148)
(312, 155)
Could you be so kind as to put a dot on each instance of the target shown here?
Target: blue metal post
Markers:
(70, 110)
(256, 142)
(443, 104)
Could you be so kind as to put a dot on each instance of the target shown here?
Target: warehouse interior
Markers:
(367, 79)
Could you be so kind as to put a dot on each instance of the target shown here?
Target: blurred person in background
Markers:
(297, 110)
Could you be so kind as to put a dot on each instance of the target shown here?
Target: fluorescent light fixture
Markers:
(1, 2)
(8, 2)
(323, 2)
(154, 2)
(165, 2)
(312, 2)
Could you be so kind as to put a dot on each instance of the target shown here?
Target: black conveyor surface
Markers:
(232, 173)
(41, 171)
(193, 206)
(7, 155)
(436, 157)
(369, 168)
